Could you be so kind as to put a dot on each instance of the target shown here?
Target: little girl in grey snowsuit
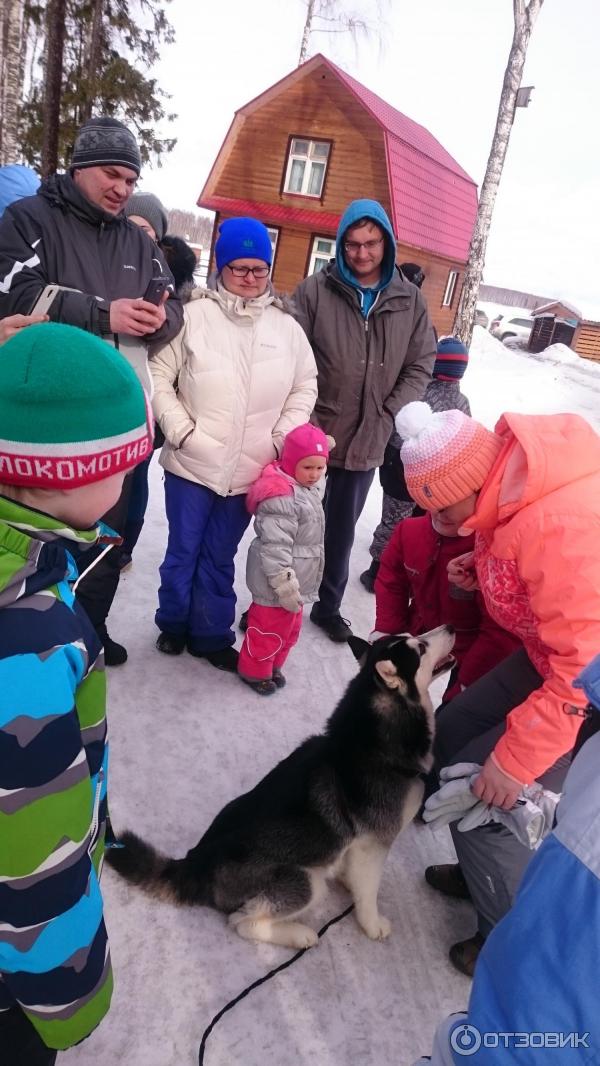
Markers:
(285, 560)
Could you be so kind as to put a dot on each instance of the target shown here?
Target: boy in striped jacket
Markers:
(73, 421)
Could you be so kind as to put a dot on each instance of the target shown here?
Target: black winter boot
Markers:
(114, 654)
(367, 578)
(170, 643)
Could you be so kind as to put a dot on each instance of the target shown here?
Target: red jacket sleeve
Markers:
(392, 589)
(491, 645)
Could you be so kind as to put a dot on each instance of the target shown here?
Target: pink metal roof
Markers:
(318, 221)
(434, 201)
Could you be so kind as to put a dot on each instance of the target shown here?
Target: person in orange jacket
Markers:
(530, 491)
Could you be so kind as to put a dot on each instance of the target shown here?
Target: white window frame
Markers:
(453, 276)
(316, 253)
(309, 158)
(273, 232)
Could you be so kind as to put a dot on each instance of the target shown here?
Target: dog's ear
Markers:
(389, 675)
(359, 648)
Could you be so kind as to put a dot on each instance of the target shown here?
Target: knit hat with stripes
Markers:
(446, 455)
(72, 410)
(451, 360)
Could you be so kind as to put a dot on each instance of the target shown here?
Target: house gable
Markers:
(318, 106)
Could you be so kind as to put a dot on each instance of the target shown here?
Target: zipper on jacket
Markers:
(94, 823)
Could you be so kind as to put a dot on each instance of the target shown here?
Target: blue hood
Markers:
(16, 181)
(589, 681)
(366, 209)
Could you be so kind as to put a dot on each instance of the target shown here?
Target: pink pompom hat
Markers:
(446, 455)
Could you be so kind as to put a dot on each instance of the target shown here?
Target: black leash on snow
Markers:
(261, 981)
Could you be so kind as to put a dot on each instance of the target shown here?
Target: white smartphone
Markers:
(45, 300)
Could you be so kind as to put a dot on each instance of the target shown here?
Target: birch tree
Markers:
(524, 15)
(11, 44)
(332, 16)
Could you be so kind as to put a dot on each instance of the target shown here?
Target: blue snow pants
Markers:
(196, 596)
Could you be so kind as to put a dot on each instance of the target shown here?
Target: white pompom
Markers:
(413, 419)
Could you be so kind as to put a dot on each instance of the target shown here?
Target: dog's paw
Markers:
(378, 929)
(303, 937)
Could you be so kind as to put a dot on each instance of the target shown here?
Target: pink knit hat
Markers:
(300, 443)
(446, 455)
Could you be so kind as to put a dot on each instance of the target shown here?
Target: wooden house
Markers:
(296, 155)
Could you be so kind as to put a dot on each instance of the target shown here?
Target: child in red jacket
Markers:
(413, 594)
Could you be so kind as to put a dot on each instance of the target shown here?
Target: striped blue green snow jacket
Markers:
(54, 956)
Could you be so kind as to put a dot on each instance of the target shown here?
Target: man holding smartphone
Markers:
(74, 236)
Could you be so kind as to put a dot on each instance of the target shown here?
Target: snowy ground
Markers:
(185, 739)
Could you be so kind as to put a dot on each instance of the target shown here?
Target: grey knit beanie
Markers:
(104, 141)
(148, 206)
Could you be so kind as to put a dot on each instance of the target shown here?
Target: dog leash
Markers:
(261, 981)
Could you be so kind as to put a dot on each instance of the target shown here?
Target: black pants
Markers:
(20, 1044)
(467, 729)
(345, 497)
(98, 589)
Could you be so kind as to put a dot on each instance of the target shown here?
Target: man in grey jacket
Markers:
(73, 235)
(374, 347)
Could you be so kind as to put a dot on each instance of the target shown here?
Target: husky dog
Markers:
(330, 810)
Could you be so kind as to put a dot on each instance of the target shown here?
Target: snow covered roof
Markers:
(545, 308)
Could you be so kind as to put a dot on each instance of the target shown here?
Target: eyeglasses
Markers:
(242, 272)
(355, 246)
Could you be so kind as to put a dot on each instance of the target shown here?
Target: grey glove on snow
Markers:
(530, 819)
(286, 588)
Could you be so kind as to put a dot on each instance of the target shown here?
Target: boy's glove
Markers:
(286, 588)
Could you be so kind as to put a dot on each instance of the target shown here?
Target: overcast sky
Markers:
(442, 63)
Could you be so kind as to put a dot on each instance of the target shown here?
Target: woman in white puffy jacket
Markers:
(238, 377)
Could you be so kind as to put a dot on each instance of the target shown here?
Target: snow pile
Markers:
(501, 379)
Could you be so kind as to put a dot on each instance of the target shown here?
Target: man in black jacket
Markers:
(73, 234)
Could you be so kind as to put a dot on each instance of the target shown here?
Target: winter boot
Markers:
(224, 659)
(114, 654)
(337, 628)
(170, 643)
(367, 578)
(266, 687)
(448, 879)
(465, 953)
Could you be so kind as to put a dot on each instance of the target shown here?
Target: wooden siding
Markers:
(587, 340)
(436, 278)
(293, 252)
(316, 107)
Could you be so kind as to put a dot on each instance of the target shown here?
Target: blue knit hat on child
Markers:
(452, 358)
(242, 238)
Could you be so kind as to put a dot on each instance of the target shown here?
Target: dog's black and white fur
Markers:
(332, 809)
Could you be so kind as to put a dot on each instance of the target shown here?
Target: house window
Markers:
(450, 288)
(273, 237)
(306, 166)
(323, 248)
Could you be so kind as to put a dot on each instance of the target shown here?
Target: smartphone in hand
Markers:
(156, 289)
(44, 300)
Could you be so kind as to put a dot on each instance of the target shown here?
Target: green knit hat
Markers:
(72, 410)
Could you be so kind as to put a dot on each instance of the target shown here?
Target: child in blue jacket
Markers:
(73, 421)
